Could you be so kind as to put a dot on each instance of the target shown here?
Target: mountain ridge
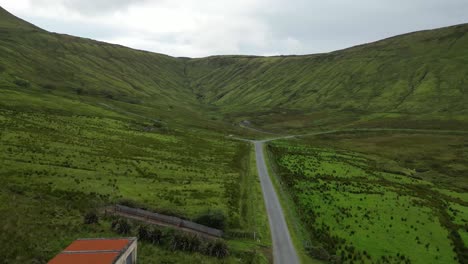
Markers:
(4, 12)
(419, 74)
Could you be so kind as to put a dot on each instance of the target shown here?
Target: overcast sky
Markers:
(197, 28)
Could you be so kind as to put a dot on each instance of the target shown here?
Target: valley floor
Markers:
(376, 196)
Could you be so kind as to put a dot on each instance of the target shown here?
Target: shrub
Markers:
(114, 224)
(91, 218)
(121, 226)
(2, 68)
(185, 242)
(143, 233)
(153, 235)
(22, 83)
(158, 124)
(131, 203)
(217, 248)
(212, 218)
(79, 91)
(319, 253)
(108, 94)
(49, 86)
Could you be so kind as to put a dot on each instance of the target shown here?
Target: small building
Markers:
(99, 251)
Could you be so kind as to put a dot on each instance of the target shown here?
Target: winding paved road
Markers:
(283, 249)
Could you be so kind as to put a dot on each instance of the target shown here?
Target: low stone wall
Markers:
(171, 220)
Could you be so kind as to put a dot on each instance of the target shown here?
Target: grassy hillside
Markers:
(41, 71)
(422, 74)
(419, 76)
(417, 73)
(85, 67)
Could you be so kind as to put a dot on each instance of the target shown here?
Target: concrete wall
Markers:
(132, 248)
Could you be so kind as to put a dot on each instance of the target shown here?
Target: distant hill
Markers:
(85, 66)
(414, 73)
(417, 76)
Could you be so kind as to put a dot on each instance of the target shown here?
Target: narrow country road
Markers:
(283, 249)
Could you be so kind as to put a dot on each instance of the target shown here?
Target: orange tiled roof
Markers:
(92, 251)
(85, 258)
(98, 244)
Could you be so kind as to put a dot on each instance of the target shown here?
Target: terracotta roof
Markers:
(93, 251)
(85, 258)
(98, 244)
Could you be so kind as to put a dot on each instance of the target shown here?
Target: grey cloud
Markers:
(258, 27)
(93, 7)
(99, 6)
(336, 24)
(82, 29)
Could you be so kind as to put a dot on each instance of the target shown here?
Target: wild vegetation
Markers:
(386, 197)
(84, 124)
(56, 168)
(171, 239)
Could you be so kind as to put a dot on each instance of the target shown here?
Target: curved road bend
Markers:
(283, 249)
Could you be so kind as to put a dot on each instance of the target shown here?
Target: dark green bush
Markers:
(217, 248)
(91, 218)
(155, 236)
(49, 86)
(107, 94)
(79, 91)
(131, 203)
(318, 253)
(121, 226)
(212, 218)
(185, 242)
(143, 233)
(152, 235)
(22, 83)
(114, 224)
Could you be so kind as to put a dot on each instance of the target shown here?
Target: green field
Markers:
(379, 197)
(55, 168)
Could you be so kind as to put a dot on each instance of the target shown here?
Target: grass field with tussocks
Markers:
(382, 197)
(55, 168)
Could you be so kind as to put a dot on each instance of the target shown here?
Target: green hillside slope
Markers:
(423, 73)
(417, 76)
(85, 66)
(415, 73)
(42, 71)
(10, 21)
